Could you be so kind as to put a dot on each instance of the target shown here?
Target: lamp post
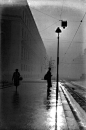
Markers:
(58, 30)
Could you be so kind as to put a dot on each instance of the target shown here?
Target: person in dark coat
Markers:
(15, 78)
(48, 78)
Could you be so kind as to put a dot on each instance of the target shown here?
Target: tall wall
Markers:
(21, 44)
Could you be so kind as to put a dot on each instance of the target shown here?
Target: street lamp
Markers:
(58, 30)
(64, 24)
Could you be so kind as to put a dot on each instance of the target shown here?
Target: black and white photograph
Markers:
(42, 64)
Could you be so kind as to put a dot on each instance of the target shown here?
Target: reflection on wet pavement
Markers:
(61, 122)
(47, 113)
(16, 99)
(32, 107)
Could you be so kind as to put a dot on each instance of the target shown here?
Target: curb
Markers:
(81, 114)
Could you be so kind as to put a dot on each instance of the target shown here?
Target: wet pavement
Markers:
(32, 107)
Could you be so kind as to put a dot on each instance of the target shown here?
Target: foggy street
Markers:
(28, 108)
(43, 65)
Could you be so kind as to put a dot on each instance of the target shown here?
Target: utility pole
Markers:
(58, 30)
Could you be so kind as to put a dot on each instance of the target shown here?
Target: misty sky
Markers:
(47, 14)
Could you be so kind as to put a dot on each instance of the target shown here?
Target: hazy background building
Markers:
(21, 44)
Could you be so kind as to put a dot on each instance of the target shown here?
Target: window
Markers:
(22, 32)
(25, 34)
(24, 53)
(23, 14)
(28, 55)
(27, 22)
(21, 67)
(21, 52)
(25, 18)
(24, 67)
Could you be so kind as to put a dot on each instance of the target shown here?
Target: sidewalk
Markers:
(65, 118)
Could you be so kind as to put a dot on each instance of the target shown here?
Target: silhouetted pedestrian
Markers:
(48, 78)
(16, 78)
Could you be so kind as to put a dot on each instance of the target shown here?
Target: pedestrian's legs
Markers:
(49, 83)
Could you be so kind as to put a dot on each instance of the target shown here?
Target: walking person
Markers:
(48, 78)
(16, 78)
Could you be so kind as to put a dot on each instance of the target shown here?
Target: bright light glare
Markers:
(51, 118)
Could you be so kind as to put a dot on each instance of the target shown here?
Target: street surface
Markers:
(30, 108)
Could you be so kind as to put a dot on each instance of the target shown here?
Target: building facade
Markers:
(21, 44)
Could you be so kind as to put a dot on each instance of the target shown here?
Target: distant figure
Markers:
(48, 78)
(15, 78)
